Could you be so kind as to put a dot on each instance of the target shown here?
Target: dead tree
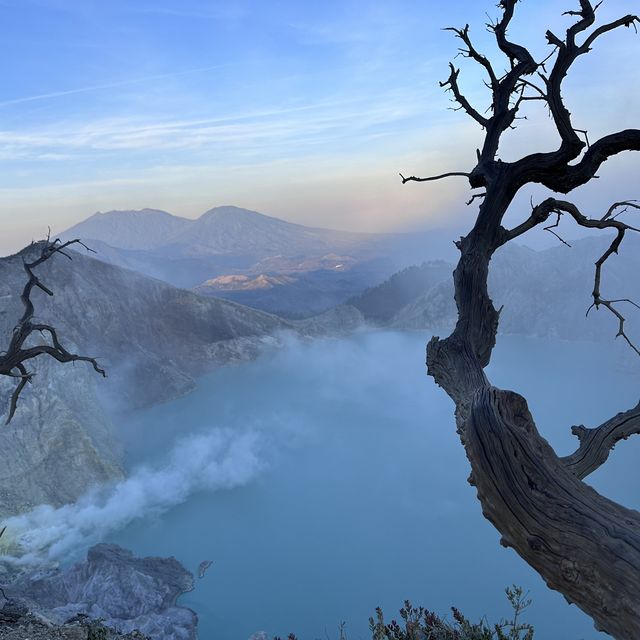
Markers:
(21, 349)
(581, 543)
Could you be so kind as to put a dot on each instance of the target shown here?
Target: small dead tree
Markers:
(581, 543)
(20, 349)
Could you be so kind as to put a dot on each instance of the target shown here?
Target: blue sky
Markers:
(306, 111)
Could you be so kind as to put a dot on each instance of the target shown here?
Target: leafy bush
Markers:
(420, 624)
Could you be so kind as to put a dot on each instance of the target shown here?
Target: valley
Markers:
(227, 402)
(254, 259)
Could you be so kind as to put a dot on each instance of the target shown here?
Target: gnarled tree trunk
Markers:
(582, 544)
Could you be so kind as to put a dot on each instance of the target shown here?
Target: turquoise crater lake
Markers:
(361, 496)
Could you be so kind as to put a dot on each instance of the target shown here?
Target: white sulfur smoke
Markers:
(219, 459)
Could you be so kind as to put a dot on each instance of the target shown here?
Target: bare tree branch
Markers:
(25, 377)
(514, 52)
(475, 196)
(452, 83)
(472, 52)
(582, 544)
(539, 214)
(587, 15)
(625, 204)
(551, 228)
(597, 443)
(430, 178)
(12, 360)
(552, 169)
(609, 220)
(542, 95)
(621, 228)
(564, 178)
(626, 21)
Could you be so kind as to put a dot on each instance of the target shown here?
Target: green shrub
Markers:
(420, 624)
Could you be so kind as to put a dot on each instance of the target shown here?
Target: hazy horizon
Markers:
(537, 239)
(305, 113)
(265, 406)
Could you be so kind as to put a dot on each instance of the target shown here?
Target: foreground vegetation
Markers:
(418, 623)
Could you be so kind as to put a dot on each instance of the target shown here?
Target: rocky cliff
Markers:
(153, 339)
(60, 441)
(543, 293)
(126, 593)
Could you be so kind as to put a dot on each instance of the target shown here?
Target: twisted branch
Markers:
(471, 52)
(552, 169)
(582, 544)
(13, 359)
(609, 220)
(430, 178)
(451, 83)
(597, 443)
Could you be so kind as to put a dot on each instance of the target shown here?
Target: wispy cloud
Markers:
(222, 12)
(316, 95)
(108, 85)
(310, 124)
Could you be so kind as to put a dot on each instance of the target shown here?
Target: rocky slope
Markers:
(309, 269)
(152, 339)
(543, 293)
(60, 441)
(18, 623)
(381, 303)
(124, 592)
(145, 327)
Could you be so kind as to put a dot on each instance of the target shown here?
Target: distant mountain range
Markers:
(222, 230)
(153, 340)
(544, 293)
(296, 271)
(252, 258)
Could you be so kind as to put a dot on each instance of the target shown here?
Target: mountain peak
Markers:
(231, 212)
(132, 212)
(229, 209)
(136, 229)
(224, 229)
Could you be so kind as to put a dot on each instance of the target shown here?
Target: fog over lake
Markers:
(326, 478)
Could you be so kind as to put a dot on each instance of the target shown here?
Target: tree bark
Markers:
(582, 544)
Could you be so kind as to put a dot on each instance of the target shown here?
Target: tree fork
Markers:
(582, 544)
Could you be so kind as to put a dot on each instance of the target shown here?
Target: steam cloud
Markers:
(217, 460)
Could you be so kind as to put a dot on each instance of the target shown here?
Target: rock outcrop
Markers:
(124, 592)
(337, 322)
(543, 293)
(18, 623)
(59, 443)
(153, 340)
